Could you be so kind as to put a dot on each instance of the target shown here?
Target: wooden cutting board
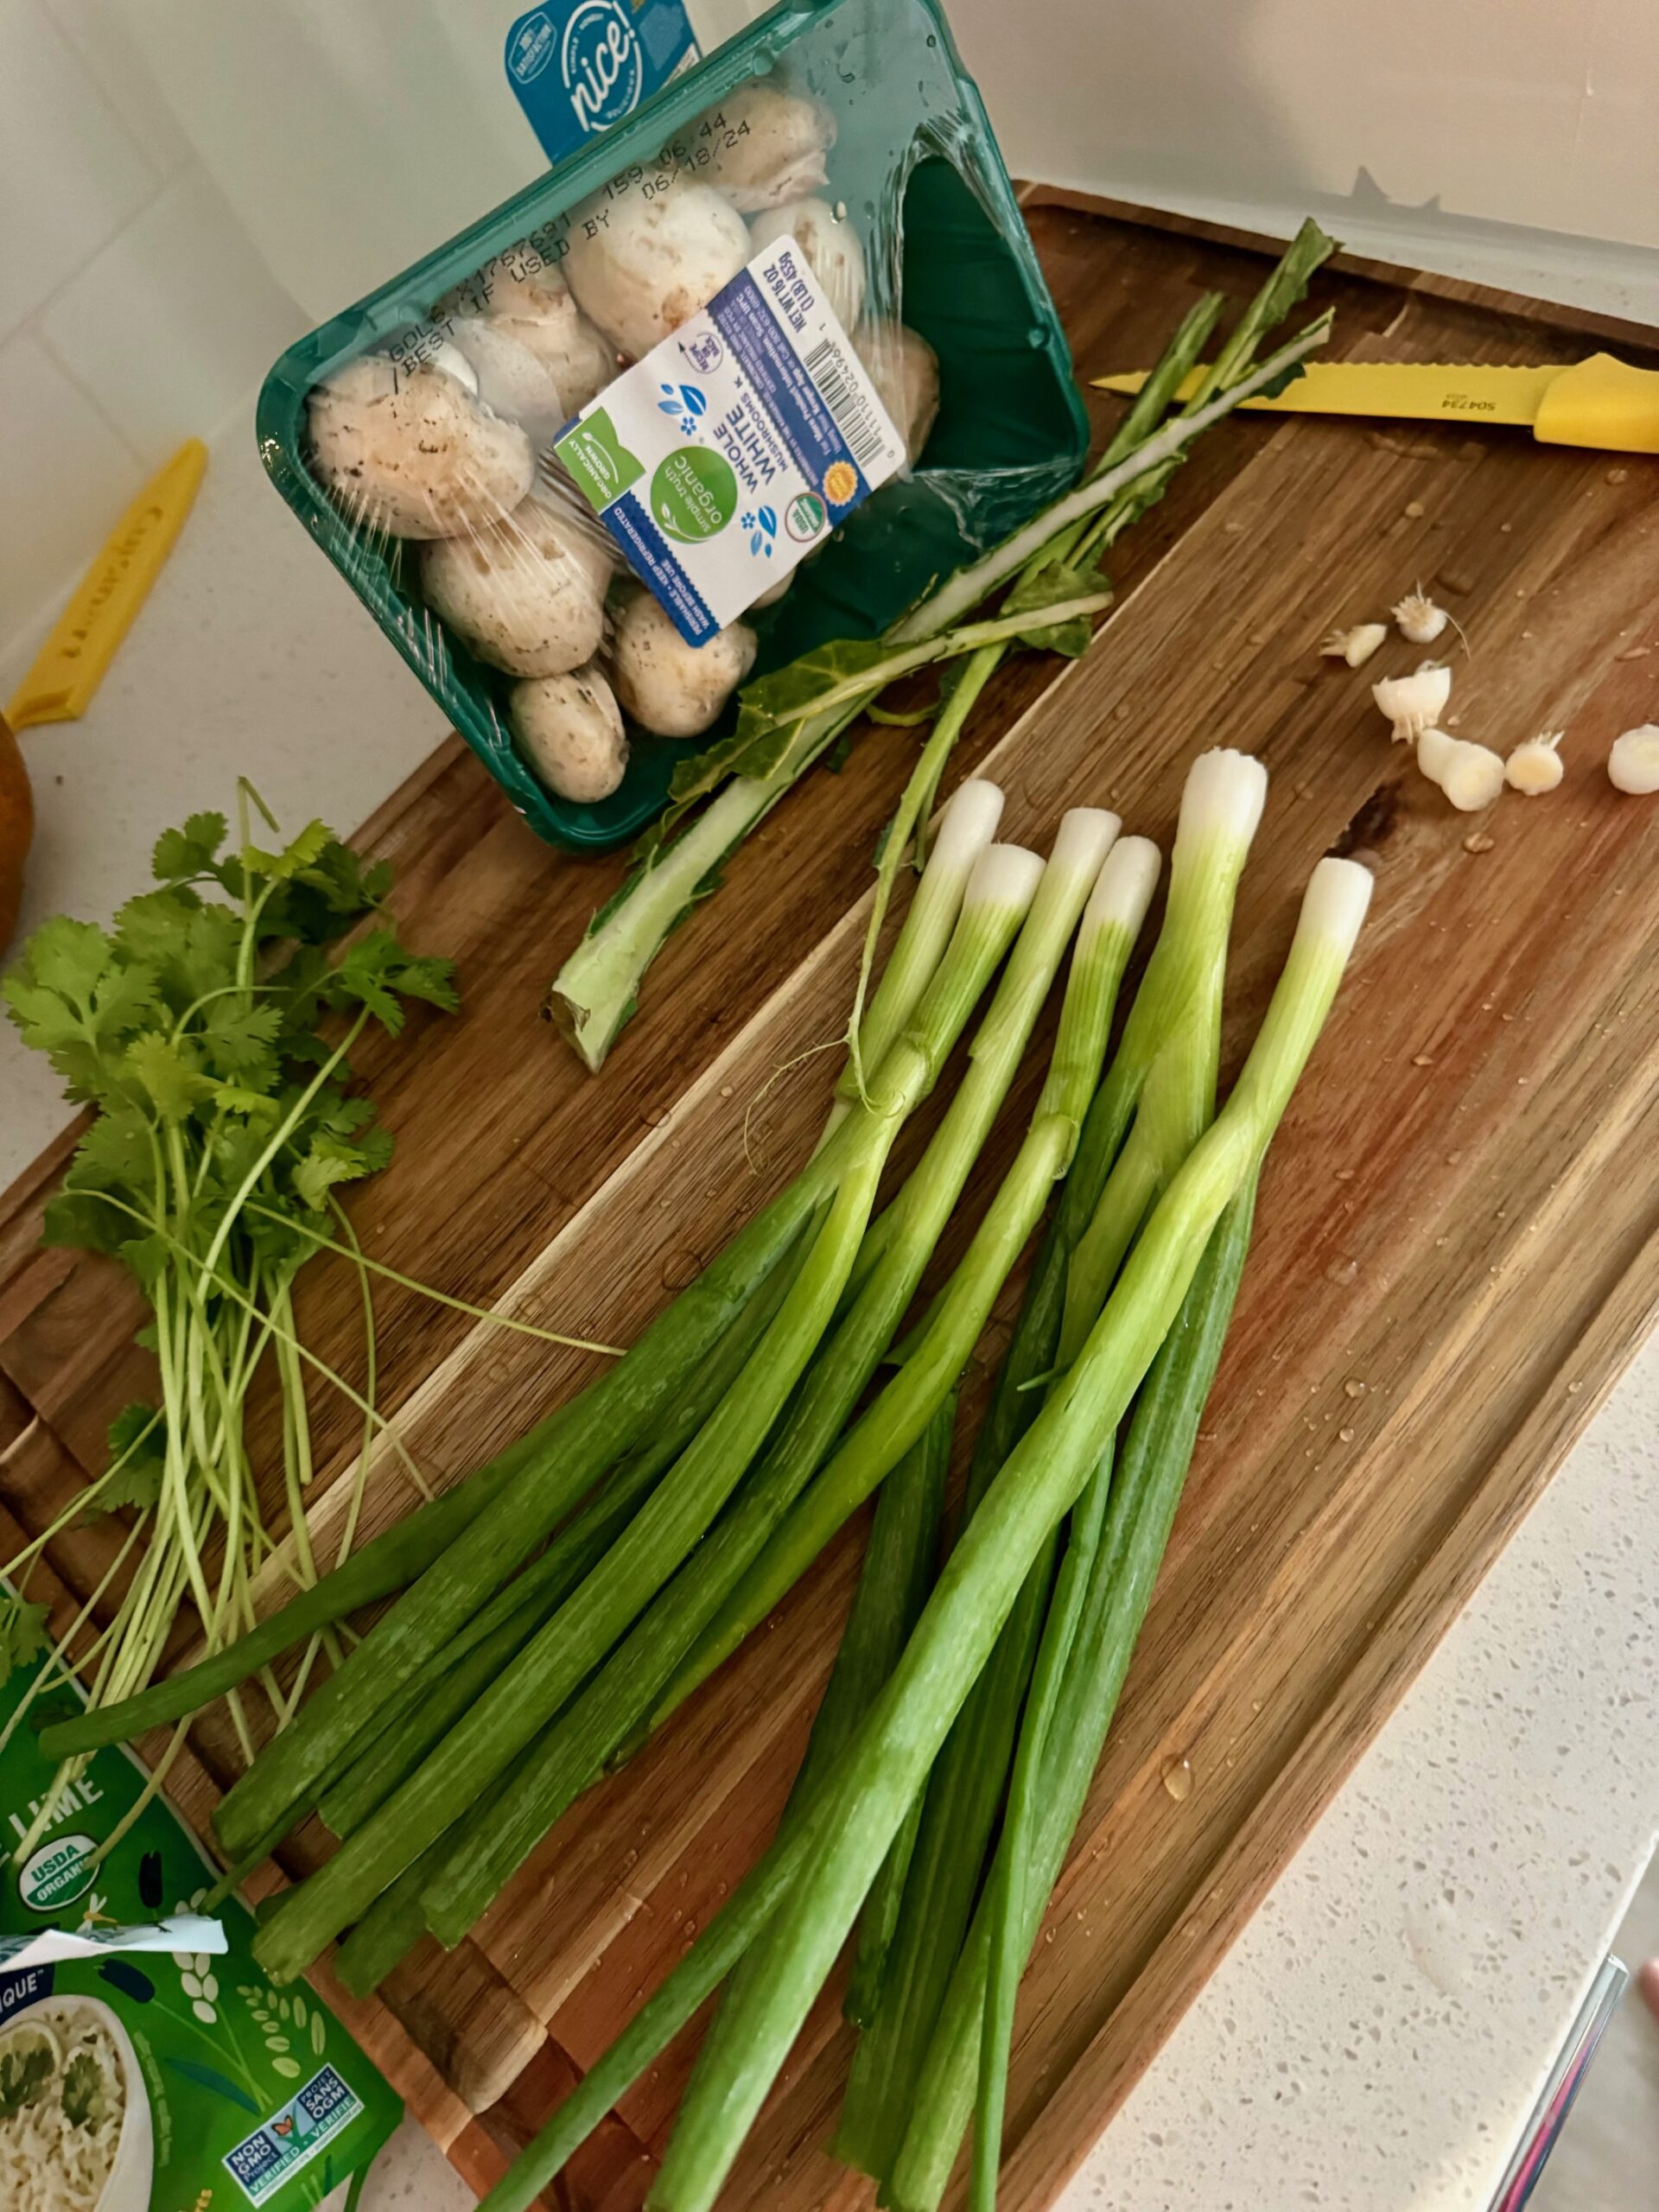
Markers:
(1458, 1245)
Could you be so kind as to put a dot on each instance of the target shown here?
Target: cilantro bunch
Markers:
(211, 1029)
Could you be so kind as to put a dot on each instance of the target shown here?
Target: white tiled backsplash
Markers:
(133, 313)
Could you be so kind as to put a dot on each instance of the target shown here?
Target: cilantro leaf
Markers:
(23, 1636)
(241, 1038)
(81, 1220)
(376, 972)
(190, 851)
(302, 852)
(67, 958)
(118, 1151)
(162, 1071)
(137, 1457)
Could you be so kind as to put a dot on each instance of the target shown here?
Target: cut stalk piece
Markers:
(1040, 1481)
(898, 1415)
(598, 987)
(478, 1751)
(597, 990)
(956, 599)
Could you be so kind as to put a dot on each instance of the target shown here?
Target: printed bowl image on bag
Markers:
(750, 371)
(74, 2117)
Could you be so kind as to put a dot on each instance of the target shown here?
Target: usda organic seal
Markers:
(57, 1873)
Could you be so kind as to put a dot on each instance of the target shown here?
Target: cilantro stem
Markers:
(290, 1123)
(359, 1258)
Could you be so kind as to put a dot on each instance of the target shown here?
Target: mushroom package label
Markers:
(146, 2065)
(576, 66)
(736, 446)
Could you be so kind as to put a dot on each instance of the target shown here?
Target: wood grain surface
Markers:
(1458, 1241)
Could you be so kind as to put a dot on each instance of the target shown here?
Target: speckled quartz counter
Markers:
(1375, 2038)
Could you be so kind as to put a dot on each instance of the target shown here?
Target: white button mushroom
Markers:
(510, 378)
(673, 688)
(525, 295)
(905, 369)
(569, 729)
(1633, 763)
(767, 145)
(528, 593)
(639, 266)
(412, 451)
(831, 246)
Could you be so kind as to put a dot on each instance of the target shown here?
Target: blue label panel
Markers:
(576, 66)
(749, 327)
(648, 553)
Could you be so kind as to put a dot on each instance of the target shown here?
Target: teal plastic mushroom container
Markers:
(914, 168)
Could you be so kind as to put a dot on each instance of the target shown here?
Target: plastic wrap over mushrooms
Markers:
(414, 452)
(446, 436)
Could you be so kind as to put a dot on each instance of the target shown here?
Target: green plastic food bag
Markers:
(136, 2078)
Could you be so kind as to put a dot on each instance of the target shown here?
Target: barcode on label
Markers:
(828, 366)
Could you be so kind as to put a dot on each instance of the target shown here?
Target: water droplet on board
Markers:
(1346, 1435)
(680, 1269)
(1342, 1271)
(1353, 1388)
(1177, 1778)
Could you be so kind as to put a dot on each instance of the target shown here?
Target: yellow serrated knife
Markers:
(1599, 402)
(71, 664)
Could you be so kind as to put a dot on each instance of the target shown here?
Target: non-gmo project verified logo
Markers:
(292, 2137)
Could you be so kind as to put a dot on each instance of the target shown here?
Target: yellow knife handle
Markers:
(1601, 402)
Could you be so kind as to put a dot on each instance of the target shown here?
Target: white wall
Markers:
(1513, 140)
(132, 312)
(160, 159)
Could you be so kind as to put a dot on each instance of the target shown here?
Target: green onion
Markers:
(1089, 1671)
(392, 1560)
(1221, 807)
(966, 827)
(900, 1561)
(900, 1566)
(1041, 1480)
(503, 1721)
(553, 1467)
(498, 1835)
(934, 1364)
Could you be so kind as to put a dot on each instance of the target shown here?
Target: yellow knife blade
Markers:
(1599, 402)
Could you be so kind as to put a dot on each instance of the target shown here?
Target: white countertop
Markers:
(1375, 2038)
